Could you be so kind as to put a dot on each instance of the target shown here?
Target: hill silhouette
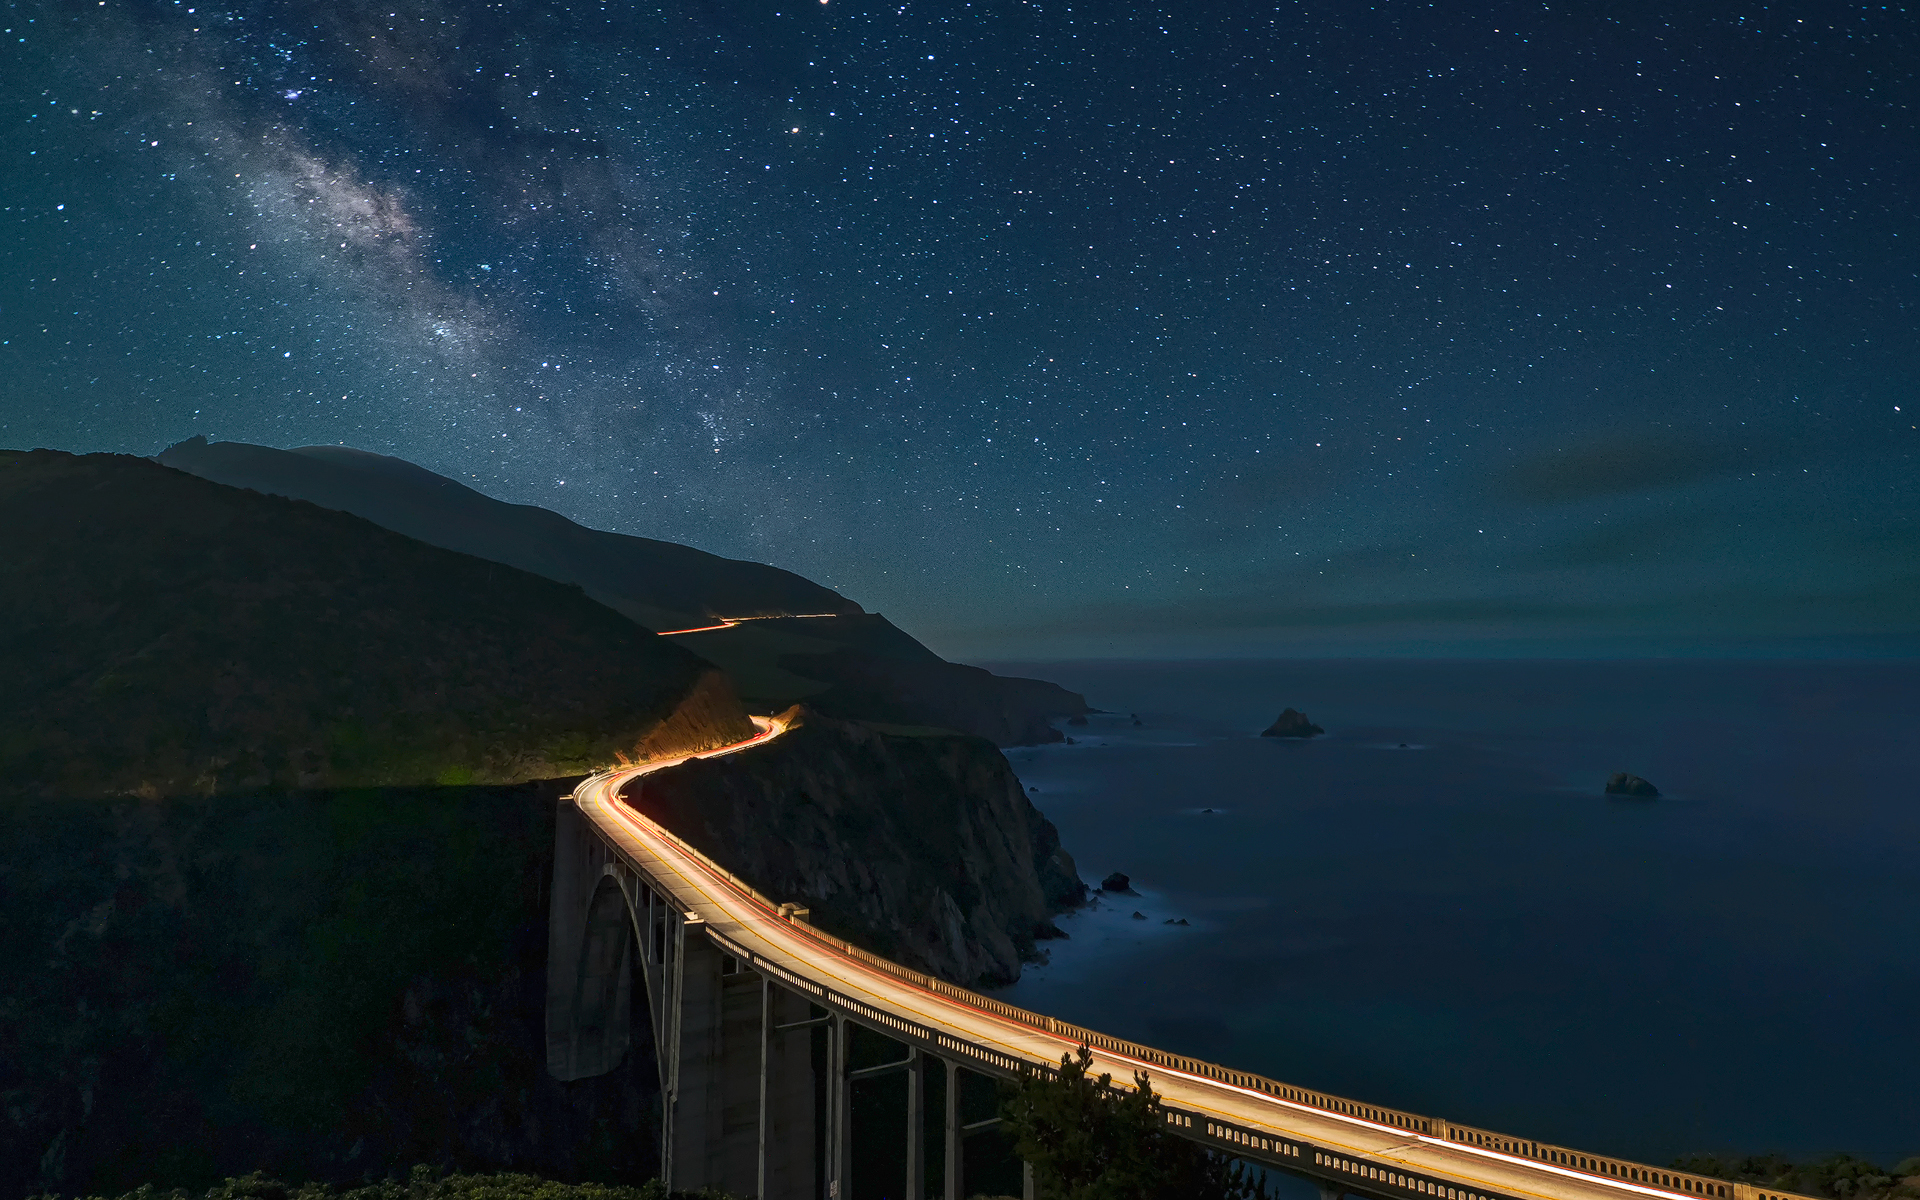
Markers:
(162, 634)
(854, 664)
(662, 585)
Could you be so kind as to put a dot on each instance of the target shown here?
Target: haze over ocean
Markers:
(1433, 907)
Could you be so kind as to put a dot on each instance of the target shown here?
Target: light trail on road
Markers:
(1374, 1154)
(732, 622)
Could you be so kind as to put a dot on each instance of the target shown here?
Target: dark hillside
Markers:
(325, 985)
(663, 585)
(162, 634)
(855, 664)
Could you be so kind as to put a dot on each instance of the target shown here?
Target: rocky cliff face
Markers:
(922, 848)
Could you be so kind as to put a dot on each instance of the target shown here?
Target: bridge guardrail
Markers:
(1575, 1162)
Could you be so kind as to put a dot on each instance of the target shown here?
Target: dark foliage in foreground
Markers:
(1088, 1140)
(423, 1184)
(1841, 1176)
(319, 984)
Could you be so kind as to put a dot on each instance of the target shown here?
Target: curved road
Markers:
(732, 622)
(1376, 1150)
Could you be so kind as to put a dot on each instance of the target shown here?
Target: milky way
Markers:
(1223, 329)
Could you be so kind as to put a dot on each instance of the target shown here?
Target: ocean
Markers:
(1434, 907)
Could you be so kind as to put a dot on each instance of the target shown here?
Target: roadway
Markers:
(1377, 1156)
(732, 622)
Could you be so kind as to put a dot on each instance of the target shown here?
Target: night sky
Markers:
(1046, 329)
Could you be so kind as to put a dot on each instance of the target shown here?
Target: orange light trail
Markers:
(730, 622)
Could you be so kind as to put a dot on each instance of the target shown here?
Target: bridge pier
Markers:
(839, 1109)
(955, 1165)
(745, 1109)
(916, 1125)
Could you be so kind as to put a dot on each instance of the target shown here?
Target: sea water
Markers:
(1434, 907)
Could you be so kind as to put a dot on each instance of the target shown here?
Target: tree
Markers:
(1088, 1140)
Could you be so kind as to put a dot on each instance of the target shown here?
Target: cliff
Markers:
(323, 984)
(918, 846)
(162, 634)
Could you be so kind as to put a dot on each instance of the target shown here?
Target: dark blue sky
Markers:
(1046, 329)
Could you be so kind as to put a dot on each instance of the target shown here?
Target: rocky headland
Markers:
(919, 846)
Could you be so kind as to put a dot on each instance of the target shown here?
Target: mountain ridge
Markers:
(845, 661)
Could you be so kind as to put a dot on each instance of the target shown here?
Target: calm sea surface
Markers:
(1434, 907)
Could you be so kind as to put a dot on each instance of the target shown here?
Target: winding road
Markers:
(1347, 1144)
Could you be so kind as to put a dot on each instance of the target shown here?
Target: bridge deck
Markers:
(1369, 1149)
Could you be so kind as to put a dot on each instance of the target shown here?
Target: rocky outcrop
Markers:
(922, 848)
(1622, 784)
(1292, 724)
(1116, 882)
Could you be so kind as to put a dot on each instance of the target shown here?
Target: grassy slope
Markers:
(163, 634)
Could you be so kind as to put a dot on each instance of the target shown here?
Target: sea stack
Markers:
(1292, 724)
(1623, 784)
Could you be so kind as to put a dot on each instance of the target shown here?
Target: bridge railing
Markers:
(1573, 1162)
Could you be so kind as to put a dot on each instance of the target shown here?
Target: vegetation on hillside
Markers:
(160, 635)
(1088, 1140)
(316, 984)
(1841, 1176)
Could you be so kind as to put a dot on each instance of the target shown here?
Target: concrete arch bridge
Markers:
(758, 1027)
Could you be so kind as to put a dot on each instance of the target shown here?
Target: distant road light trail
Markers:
(730, 622)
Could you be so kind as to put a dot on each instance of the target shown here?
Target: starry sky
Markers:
(1047, 329)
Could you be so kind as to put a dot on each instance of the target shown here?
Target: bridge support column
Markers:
(955, 1162)
(916, 1125)
(690, 1056)
(787, 1122)
(839, 1111)
(766, 1069)
(740, 1096)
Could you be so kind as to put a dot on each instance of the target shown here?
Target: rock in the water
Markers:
(1623, 784)
(1171, 921)
(1076, 720)
(1138, 915)
(1292, 724)
(1116, 882)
